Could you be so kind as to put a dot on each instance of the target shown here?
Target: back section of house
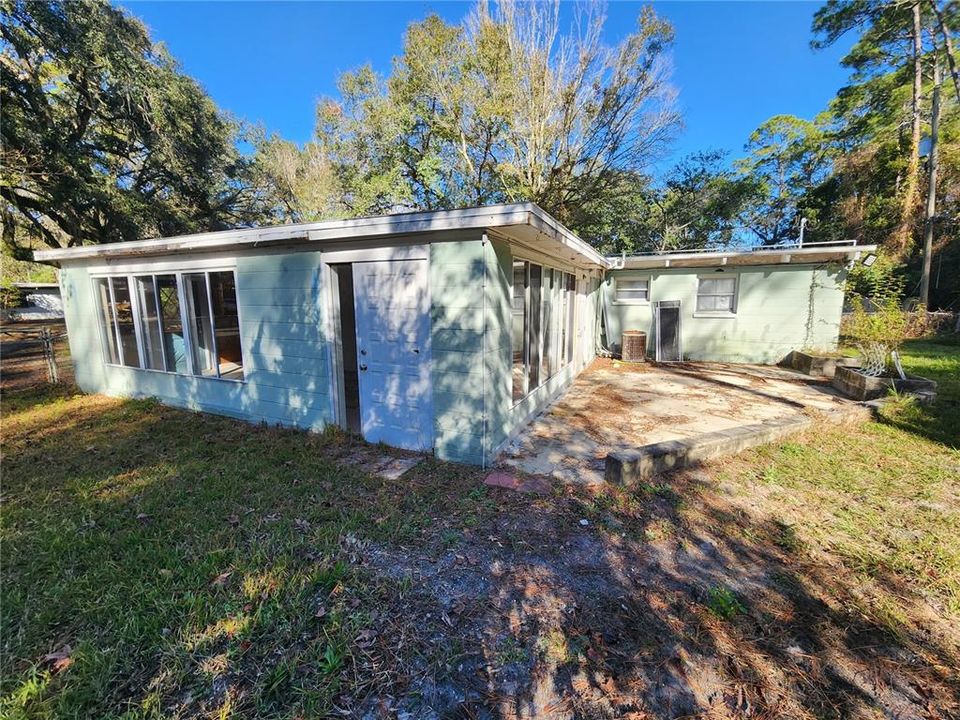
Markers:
(755, 314)
(443, 342)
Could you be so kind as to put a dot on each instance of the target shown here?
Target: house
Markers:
(739, 305)
(439, 331)
(41, 302)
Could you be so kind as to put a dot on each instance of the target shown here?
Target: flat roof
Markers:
(812, 253)
(527, 222)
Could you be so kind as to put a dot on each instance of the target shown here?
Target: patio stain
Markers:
(618, 406)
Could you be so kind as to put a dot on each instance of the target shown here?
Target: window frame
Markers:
(558, 288)
(617, 300)
(732, 313)
(132, 276)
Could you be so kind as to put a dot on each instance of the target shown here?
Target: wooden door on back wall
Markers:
(393, 352)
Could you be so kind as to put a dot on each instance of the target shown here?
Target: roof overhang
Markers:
(526, 221)
(807, 255)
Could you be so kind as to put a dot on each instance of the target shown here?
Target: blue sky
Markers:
(734, 63)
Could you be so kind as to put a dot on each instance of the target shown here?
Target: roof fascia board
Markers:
(480, 218)
(773, 256)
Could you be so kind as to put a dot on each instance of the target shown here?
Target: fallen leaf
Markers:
(365, 638)
(221, 579)
(59, 660)
(321, 611)
(233, 520)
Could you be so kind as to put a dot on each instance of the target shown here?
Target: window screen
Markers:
(632, 290)
(717, 295)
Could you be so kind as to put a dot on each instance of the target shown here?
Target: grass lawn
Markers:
(160, 563)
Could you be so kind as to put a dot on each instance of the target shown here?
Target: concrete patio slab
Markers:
(701, 410)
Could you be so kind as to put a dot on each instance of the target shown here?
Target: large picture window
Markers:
(543, 324)
(187, 324)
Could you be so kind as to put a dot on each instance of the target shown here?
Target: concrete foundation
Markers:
(818, 365)
(626, 467)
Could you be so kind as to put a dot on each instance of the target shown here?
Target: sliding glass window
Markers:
(226, 323)
(150, 323)
(171, 324)
(196, 332)
(543, 317)
(108, 330)
(571, 295)
(116, 322)
(534, 337)
(519, 329)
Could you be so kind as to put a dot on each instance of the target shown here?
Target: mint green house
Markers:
(752, 306)
(443, 332)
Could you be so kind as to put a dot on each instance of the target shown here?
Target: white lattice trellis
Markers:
(874, 358)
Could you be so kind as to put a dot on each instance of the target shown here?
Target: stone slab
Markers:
(627, 467)
(507, 481)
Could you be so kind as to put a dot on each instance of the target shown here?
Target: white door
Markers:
(393, 352)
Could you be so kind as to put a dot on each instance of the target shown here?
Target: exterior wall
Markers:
(285, 353)
(471, 292)
(779, 309)
(287, 356)
(457, 272)
(504, 416)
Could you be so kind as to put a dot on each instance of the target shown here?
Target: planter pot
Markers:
(819, 365)
(858, 386)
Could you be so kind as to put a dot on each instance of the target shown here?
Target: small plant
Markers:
(724, 603)
(878, 333)
(332, 660)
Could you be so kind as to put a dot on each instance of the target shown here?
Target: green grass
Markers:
(883, 497)
(181, 556)
(157, 562)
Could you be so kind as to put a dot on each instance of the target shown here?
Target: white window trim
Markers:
(142, 270)
(617, 301)
(718, 314)
(560, 365)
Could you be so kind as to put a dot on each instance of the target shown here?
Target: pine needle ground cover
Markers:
(160, 563)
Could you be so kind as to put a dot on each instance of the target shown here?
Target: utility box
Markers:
(633, 346)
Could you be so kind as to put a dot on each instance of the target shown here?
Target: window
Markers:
(226, 324)
(116, 322)
(519, 321)
(158, 328)
(543, 324)
(534, 327)
(717, 295)
(150, 323)
(631, 291)
(567, 299)
(548, 356)
(171, 324)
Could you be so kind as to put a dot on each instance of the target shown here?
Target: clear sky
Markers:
(735, 64)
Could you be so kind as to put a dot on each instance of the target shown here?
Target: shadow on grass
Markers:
(196, 564)
(937, 359)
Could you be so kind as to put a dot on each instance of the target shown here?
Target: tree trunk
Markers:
(948, 46)
(904, 232)
(931, 187)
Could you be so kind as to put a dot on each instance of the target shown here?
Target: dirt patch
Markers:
(543, 612)
(22, 363)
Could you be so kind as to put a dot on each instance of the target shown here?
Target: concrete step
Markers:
(625, 467)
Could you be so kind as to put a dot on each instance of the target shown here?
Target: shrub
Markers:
(878, 333)
(10, 296)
